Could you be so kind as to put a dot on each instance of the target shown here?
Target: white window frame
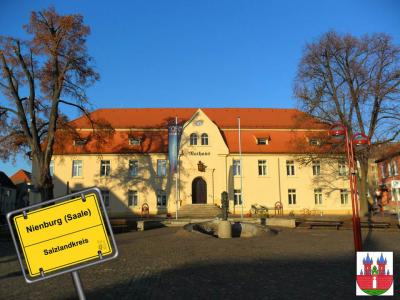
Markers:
(133, 167)
(396, 194)
(262, 141)
(236, 168)
(77, 169)
(342, 167)
(292, 197)
(133, 198)
(161, 198)
(161, 167)
(383, 170)
(395, 167)
(79, 142)
(237, 197)
(204, 139)
(262, 167)
(315, 142)
(290, 168)
(106, 167)
(193, 138)
(318, 199)
(135, 141)
(344, 197)
(389, 168)
(316, 167)
(106, 197)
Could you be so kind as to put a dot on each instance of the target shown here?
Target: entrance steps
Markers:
(199, 211)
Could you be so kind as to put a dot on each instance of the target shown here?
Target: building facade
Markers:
(8, 193)
(388, 166)
(260, 164)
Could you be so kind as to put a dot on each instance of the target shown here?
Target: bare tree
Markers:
(37, 77)
(354, 81)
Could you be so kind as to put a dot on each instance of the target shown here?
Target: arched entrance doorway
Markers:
(199, 191)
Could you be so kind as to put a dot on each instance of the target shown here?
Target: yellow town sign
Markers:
(62, 235)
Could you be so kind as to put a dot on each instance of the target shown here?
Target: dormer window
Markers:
(315, 142)
(80, 142)
(193, 139)
(262, 141)
(135, 141)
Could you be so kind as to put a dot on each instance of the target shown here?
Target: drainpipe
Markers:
(241, 170)
(212, 175)
(279, 181)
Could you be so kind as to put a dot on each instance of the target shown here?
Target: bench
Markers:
(336, 224)
(120, 225)
(375, 225)
(258, 210)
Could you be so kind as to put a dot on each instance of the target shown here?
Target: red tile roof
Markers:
(118, 142)
(277, 124)
(223, 117)
(280, 141)
(21, 176)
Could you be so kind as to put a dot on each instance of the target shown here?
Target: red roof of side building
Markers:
(388, 151)
(21, 176)
(275, 124)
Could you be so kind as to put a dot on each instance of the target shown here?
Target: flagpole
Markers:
(241, 170)
(177, 170)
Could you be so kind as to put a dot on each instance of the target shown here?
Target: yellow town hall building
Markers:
(131, 165)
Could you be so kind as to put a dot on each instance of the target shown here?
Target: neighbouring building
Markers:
(8, 193)
(22, 180)
(388, 165)
(131, 165)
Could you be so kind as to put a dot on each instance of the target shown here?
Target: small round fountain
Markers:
(230, 229)
(222, 228)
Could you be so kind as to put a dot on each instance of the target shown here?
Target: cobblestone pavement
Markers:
(170, 263)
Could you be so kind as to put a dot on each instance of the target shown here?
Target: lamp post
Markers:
(358, 139)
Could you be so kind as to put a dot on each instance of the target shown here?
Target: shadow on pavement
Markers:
(278, 279)
(12, 274)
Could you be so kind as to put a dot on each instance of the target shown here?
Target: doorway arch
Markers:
(199, 191)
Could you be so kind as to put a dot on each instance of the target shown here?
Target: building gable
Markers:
(209, 138)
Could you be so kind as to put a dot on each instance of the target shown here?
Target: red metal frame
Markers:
(339, 129)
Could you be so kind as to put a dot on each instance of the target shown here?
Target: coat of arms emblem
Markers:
(374, 273)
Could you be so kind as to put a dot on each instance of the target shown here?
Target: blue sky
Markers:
(202, 53)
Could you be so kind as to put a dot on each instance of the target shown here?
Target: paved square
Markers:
(170, 263)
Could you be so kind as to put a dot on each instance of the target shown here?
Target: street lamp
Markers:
(338, 130)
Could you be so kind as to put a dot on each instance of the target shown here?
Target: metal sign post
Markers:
(78, 285)
(62, 235)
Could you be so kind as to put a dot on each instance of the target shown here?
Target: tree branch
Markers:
(17, 100)
(9, 109)
(32, 113)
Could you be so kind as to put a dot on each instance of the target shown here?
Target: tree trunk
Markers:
(46, 192)
(45, 185)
